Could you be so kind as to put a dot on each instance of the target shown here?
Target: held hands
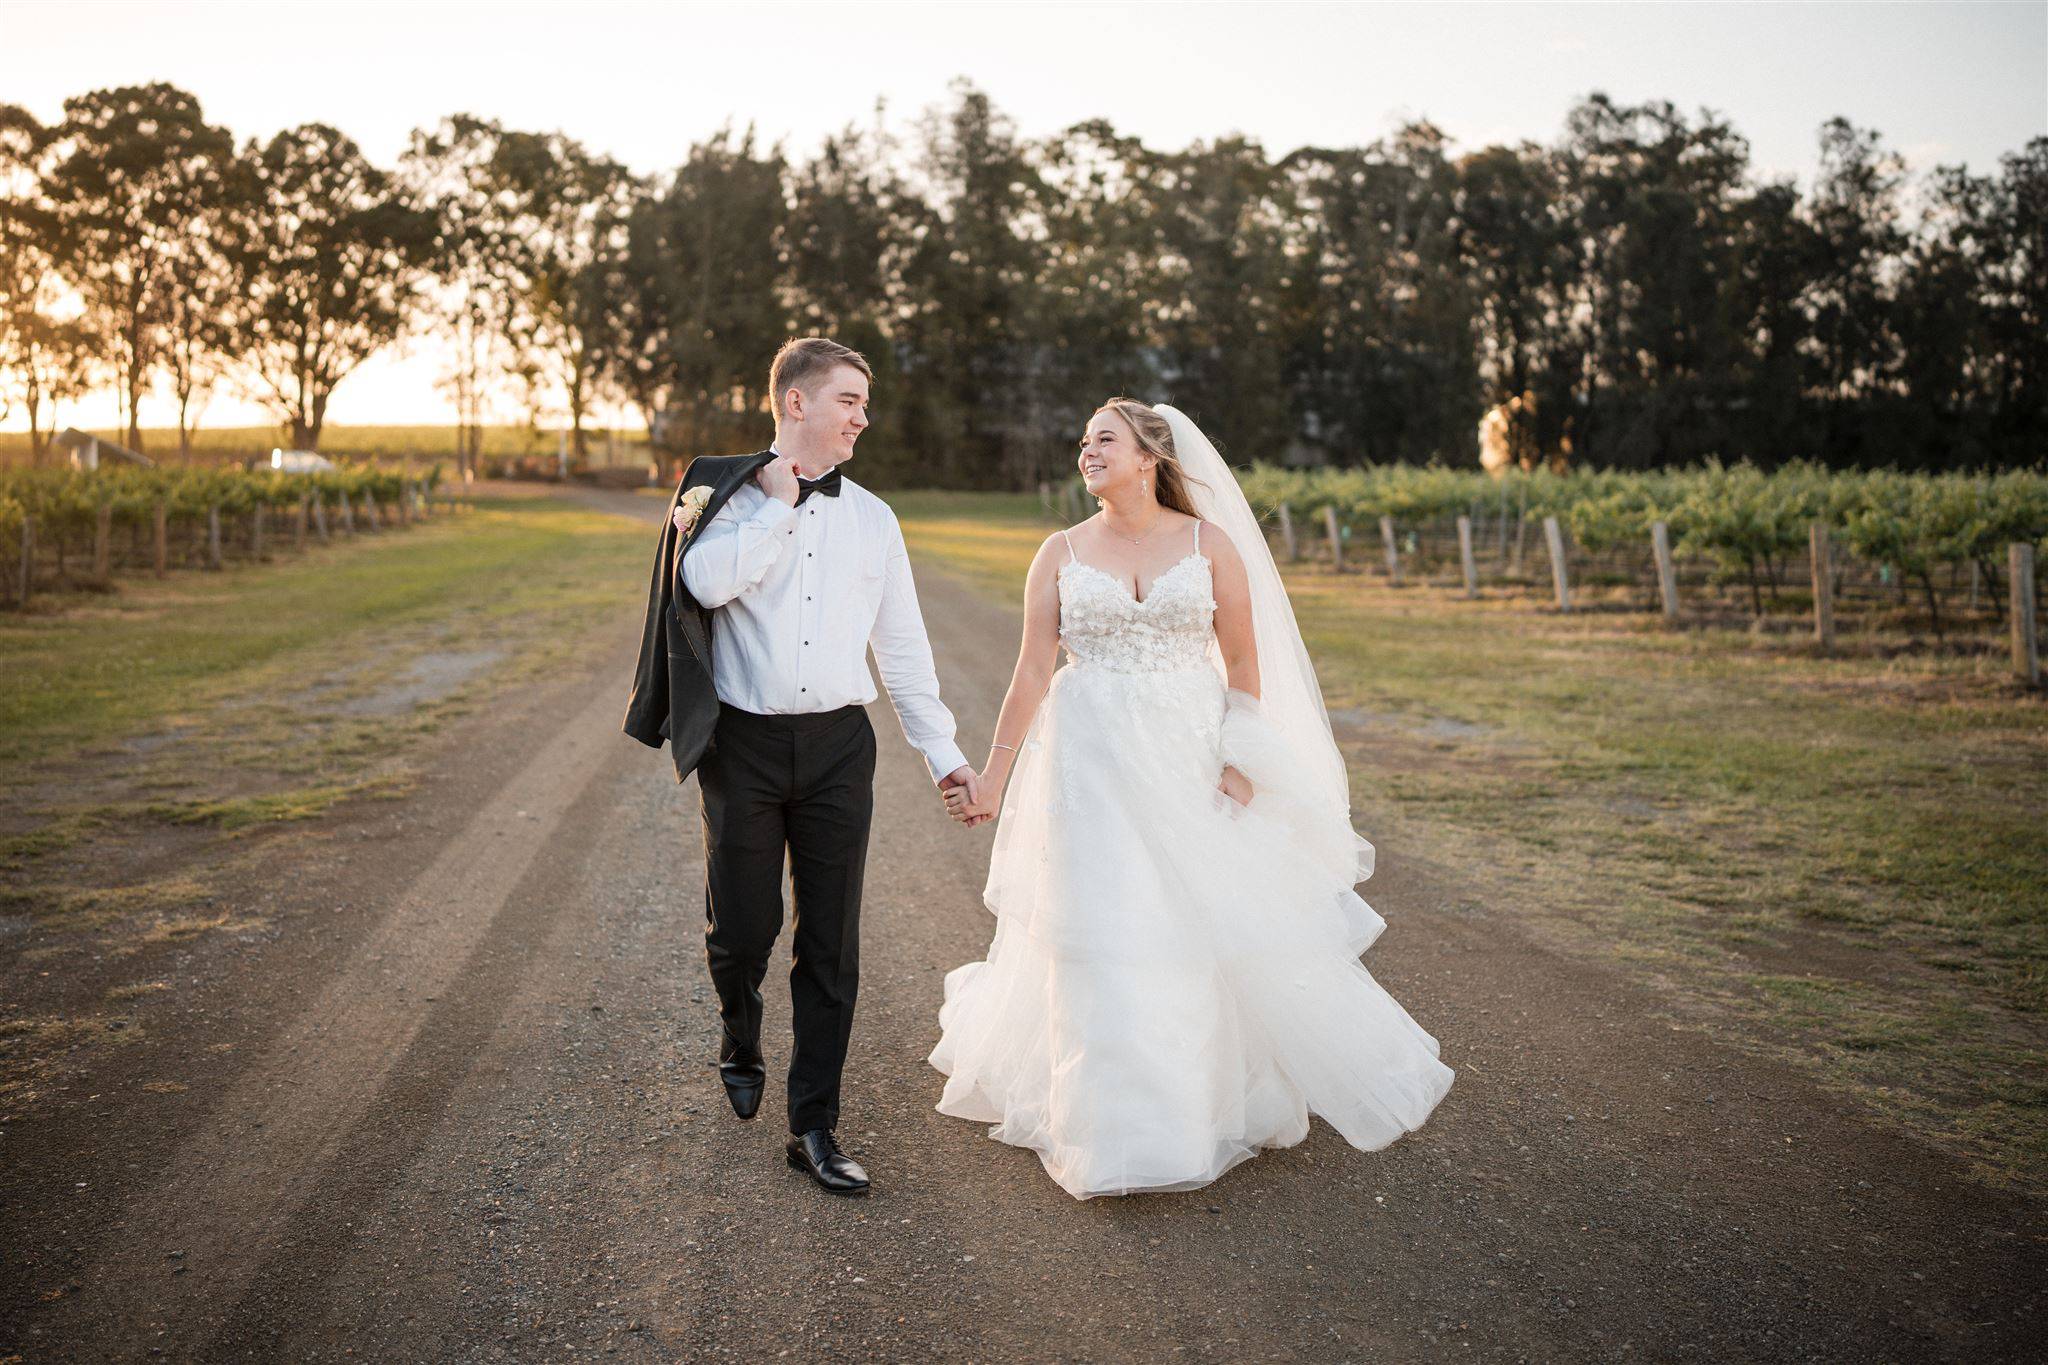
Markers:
(1234, 785)
(962, 789)
(972, 799)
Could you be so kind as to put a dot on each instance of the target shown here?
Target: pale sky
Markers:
(1943, 83)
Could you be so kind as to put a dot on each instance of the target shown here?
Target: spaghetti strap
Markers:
(1198, 535)
(1071, 556)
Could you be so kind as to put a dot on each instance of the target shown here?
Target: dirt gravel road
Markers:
(458, 1105)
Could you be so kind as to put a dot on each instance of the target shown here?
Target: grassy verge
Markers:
(156, 741)
(223, 703)
(1838, 861)
(156, 653)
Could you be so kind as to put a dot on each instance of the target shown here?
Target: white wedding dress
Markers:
(1174, 980)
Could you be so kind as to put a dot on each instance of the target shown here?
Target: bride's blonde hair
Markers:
(1155, 438)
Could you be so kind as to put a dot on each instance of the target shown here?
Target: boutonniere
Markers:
(691, 507)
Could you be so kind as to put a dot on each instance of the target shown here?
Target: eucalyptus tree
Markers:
(470, 301)
(329, 253)
(60, 359)
(1943, 318)
(1516, 250)
(1100, 278)
(1972, 316)
(846, 241)
(2015, 286)
(1223, 214)
(565, 212)
(1378, 327)
(1679, 254)
(1770, 419)
(974, 329)
(201, 294)
(1654, 201)
(1855, 212)
(130, 173)
(29, 284)
(706, 308)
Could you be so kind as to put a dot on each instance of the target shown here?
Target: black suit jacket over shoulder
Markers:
(673, 698)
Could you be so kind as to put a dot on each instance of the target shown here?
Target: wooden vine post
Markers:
(1287, 541)
(1336, 534)
(1393, 550)
(1667, 570)
(1553, 536)
(2025, 609)
(1465, 559)
(213, 536)
(160, 526)
(103, 542)
(1822, 552)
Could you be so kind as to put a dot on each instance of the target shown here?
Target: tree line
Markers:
(1633, 292)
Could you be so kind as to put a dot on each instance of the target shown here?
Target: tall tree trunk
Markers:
(578, 442)
(319, 419)
(134, 387)
(33, 399)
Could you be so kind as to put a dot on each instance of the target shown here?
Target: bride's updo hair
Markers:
(1155, 438)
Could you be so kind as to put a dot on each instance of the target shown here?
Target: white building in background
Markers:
(86, 451)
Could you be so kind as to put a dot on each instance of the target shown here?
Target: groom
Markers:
(774, 577)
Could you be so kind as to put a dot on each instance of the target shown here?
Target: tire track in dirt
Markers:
(537, 1163)
(279, 1135)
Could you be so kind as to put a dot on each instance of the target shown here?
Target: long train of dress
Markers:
(1174, 979)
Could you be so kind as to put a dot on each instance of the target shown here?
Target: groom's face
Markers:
(839, 407)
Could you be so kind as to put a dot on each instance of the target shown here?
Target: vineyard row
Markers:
(73, 527)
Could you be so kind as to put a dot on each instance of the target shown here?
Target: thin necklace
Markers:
(1148, 530)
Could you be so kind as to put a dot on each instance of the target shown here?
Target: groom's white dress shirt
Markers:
(800, 594)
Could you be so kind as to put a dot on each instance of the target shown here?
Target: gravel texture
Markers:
(456, 1103)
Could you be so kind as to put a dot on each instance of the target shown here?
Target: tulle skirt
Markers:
(1174, 979)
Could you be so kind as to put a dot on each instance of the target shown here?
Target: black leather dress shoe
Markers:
(743, 1082)
(817, 1155)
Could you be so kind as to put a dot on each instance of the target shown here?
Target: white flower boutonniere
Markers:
(690, 508)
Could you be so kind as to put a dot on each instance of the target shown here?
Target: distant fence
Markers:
(71, 530)
(1820, 585)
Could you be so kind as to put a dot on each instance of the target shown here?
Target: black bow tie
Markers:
(828, 484)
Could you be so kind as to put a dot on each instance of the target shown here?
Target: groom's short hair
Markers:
(802, 361)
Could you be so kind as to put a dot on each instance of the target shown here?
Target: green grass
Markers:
(299, 803)
(1841, 857)
(156, 652)
(986, 538)
(147, 736)
(157, 741)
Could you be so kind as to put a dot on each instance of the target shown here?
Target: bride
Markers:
(1174, 980)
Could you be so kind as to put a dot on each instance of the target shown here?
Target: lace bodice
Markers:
(1103, 626)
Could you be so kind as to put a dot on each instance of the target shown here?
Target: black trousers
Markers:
(803, 785)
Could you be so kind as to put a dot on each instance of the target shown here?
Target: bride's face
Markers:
(1110, 460)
